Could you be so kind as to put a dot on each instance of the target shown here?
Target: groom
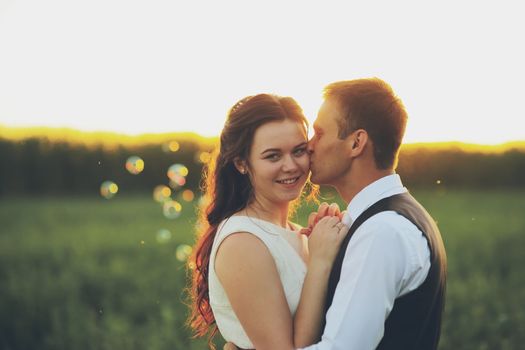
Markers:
(387, 285)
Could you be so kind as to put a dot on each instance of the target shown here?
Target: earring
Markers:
(242, 171)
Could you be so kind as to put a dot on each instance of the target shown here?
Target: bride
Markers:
(257, 279)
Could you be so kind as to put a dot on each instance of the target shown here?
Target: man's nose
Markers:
(310, 146)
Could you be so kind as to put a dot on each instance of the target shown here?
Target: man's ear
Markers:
(358, 141)
(240, 165)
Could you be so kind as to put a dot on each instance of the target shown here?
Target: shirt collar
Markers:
(384, 187)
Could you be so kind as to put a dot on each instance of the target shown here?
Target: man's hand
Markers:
(324, 210)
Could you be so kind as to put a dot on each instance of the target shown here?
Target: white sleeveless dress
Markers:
(290, 266)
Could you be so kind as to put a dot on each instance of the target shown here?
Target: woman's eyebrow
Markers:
(301, 144)
(270, 150)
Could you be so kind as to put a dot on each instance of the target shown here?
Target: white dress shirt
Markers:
(387, 257)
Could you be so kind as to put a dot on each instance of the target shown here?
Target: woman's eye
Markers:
(273, 157)
(300, 151)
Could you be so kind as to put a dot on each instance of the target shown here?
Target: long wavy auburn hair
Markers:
(226, 191)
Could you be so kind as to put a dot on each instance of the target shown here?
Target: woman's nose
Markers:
(289, 163)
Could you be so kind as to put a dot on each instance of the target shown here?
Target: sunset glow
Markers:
(160, 67)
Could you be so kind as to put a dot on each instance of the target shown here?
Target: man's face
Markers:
(328, 163)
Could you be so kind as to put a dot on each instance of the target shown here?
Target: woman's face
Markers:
(279, 162)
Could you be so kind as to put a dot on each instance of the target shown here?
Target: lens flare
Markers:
(161, 193)
(172, 209)
(108, 189)
(182, 252)
(163, 235)
(134, 165)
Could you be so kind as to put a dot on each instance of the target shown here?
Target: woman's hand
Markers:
(324, 210)
(325, 240)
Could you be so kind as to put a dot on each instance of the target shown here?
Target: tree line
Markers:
(39, 166)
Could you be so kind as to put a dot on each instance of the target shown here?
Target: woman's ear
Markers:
(240, 165)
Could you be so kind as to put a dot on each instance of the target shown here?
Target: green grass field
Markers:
(90, 273)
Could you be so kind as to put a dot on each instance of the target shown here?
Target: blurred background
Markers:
(109, 111)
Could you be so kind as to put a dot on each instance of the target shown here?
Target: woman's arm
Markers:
(250, 278)
(324, 243)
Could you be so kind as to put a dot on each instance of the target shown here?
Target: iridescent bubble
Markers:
(188, 195)
(163, 235)
(172, 209)
(108, 189)
(134, 165)
(177, 170)
(183, 251)
(177, 181)
(202, 157)
(161, 193)
(172, 146)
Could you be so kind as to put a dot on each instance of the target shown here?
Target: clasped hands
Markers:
(324, 210)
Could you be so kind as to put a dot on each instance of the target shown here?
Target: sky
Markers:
(156, 66)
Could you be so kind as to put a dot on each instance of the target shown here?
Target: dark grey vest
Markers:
(415, 319)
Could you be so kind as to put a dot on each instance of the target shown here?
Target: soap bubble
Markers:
(172, 146)
(161, 193)
(178, 181)
(163, 235)
(203, 157)
(177, 170)
(182, 252)
(172, 209)
(134, 165)
(108, 189)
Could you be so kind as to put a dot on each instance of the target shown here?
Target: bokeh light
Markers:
(172, 209)
(134, 165)
(161, 193)
(188, 195)
(202, 157)
(182, 252)
(177, 170)
(172, 146)
(163, 235)
(177, 182)
(108, 189)
(177, 174)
